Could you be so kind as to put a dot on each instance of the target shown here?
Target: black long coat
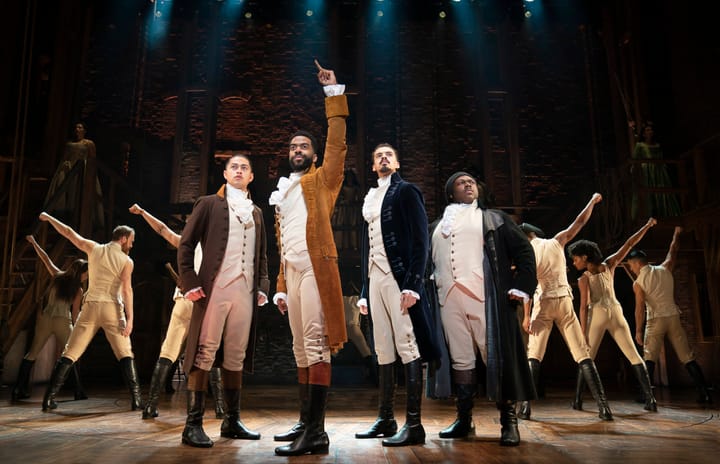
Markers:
(405, 236)
(510, 260)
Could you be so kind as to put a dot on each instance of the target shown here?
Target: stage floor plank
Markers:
(102, 429)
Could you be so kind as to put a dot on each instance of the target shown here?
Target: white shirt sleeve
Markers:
(334, 90)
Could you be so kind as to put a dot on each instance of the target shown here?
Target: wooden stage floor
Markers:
(103, 430)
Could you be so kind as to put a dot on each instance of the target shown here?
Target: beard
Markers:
(302, 165)
(385, 169)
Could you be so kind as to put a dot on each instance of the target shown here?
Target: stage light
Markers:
(248, 15)
(309, 13)
(442, 15)
(529, 1)
(380, 13)
(528, 14)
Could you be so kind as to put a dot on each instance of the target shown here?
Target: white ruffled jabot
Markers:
(374, 199)
(450, 214)
(283, 185)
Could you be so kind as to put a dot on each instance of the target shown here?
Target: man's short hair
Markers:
(122, 231)
(241, 155)
(639, 255)
(313, 140)
(387, 145)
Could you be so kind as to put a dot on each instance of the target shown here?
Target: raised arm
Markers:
(80, 242)
(157, 225)
(639, 313)
(672, 252)
(568, 234)
(49, 265)
(336, 110)
(127, 296)
(613, 260)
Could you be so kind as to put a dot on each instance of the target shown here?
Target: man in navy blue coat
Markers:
(394, 255)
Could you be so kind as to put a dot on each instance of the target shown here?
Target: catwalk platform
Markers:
(102, 429)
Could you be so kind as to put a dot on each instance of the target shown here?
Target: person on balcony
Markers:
(80, 149)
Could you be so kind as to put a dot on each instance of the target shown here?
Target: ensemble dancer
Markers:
(394, 256)
(554, 305)
(227, 291)
(600, 310)
(308, 283)
(483, 266)
(655, 296)
(57, 318)
(107, 305)
(176, 332)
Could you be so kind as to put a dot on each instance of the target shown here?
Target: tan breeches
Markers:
(612, 320)
(463, 318)
(228, 318)
(306, 317)
(655, 331)
(177, 329)
(558, 311)
(95, 316)
(45, 326)
(392, 329)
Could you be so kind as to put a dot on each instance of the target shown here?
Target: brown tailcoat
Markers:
(209, 226)
(320, 187)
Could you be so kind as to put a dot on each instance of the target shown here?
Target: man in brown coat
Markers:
(304, 204)
(231, 284)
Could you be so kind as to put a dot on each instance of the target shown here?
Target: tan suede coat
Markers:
(320, 187)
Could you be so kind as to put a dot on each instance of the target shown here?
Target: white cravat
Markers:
(240, 205)
(373, 200)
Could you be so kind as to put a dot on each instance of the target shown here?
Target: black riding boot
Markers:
(299, 427)
(642, 375)
(79, 390)
(313, 439)
(509, 434)
(525, 409)
(60, 373)
(703, 389)
(650, 365)
(159, 375)
(127, 365)
(232, 426)
(21, 390)
(385, 424)
(412, 433)
(216, 386)
(579, 388)
(592, 378)
(193, 434)
(169, 379)
(463, 426)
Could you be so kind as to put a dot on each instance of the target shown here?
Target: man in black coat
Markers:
(394, 255)
(483, 267)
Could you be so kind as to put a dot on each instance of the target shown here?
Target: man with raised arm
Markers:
(554, 305)
(308, 284)
(176, 332)
(107, 305)
(655, 297)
